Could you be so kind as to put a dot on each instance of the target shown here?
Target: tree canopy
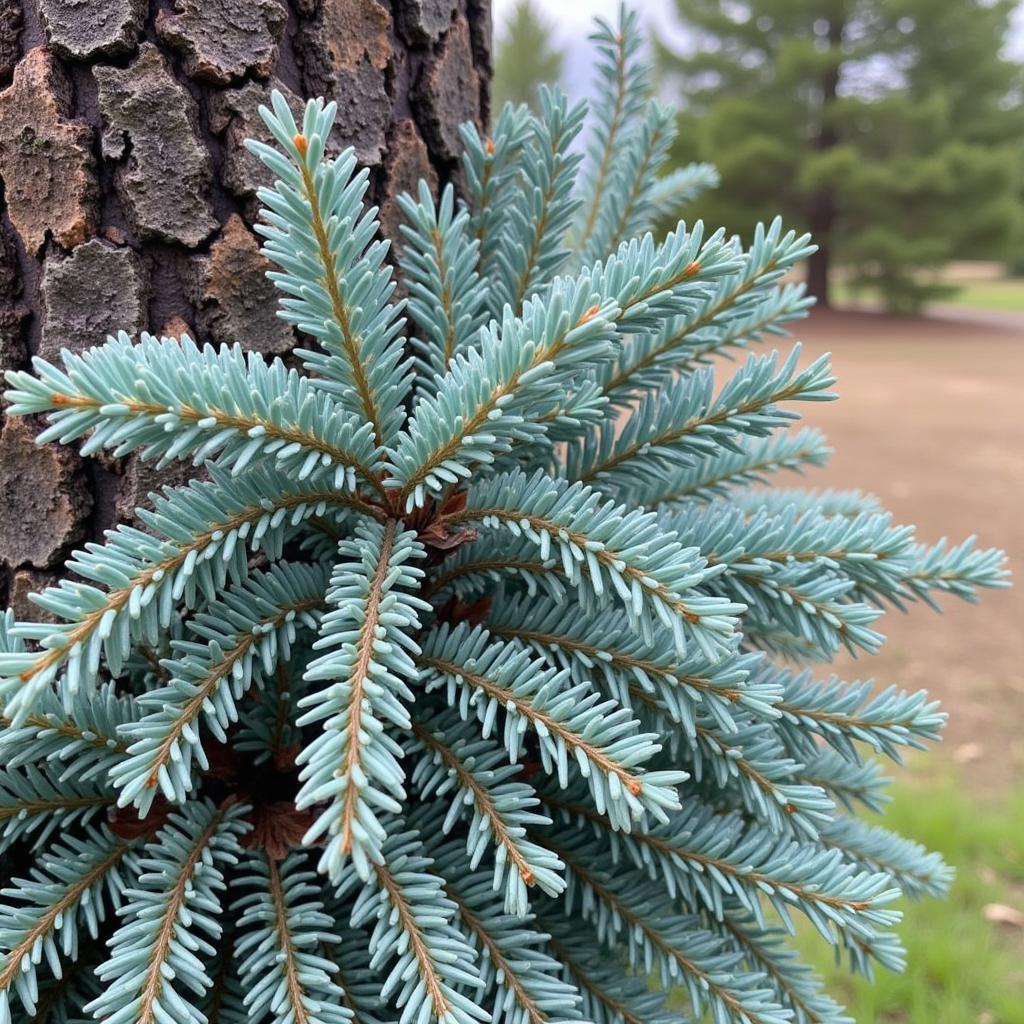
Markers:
(889, 128)
(526, 57)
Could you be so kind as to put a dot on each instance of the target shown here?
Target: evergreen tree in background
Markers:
(888, 128)
(525, 57)
(476, 680)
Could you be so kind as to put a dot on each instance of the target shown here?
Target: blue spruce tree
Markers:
(464, 685)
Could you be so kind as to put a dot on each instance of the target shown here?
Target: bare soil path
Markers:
(931, 419)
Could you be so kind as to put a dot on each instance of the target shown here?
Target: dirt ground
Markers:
(931, 419)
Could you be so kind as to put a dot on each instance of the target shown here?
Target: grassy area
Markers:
(1005, 294)
(962, 969)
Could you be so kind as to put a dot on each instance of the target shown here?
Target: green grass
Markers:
(962, 969)
(1004, 294)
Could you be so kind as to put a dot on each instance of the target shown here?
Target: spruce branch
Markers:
(717, 860)
(671, 191)
(447, 297)
(282, 928)
(598, 648)
(77, 739)
(766, 778)
(739, 309)
(542, 208)
(33, 804)
(359, 984)
(501, 808)
(851, 783)
(63, 892)
(917, 871)
(432, 962)
(797, 987)
(521, 979)
(334, 276)
(621, 906)
(171, 399)
(621, 100)
(610, 992)
(954, 569)
(708, 480)
(630, 211)
(843, 713)
(480, 676)
(848, 503)
(493, 168)
(494, 396)
(239, 639)
(687, 420)
(619, 550)
(153, 955)
(197, 540)
(367, 634)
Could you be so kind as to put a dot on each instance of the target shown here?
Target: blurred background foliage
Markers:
(888, 128)
(891, 129)
(527, 56)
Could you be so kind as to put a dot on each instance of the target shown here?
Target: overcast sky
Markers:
(572, 20)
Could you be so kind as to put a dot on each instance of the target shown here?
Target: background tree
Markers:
(885, 127)
(128, 200)
(526, 57)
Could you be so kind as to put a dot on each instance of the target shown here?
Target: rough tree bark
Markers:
(128, 202)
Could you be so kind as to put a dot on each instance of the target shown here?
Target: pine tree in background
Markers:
(458, 691)
(887, 128)
(526, 56)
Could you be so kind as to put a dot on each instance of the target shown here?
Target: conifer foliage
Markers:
(464, 682)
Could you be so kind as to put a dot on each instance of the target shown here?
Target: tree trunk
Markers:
(822, 212)
(819, 263)
(128, 201)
